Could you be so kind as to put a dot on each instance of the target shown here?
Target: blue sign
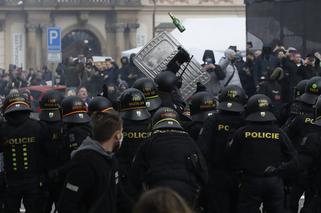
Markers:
(54, 39)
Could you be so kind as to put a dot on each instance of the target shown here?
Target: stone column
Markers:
(2, 42)
(119, 29)
(43, 28)
(132, 29)
(110, 45)
(31, 45)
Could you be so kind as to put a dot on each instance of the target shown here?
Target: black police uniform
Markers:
(254, 148)
(50, 114)
(136, 125)
(308, 160)
(202, 105)
(149, 88)
(213, 140)
(23, 142)
(297, 128)
(170, 158)
(136, 129)
(76, 124)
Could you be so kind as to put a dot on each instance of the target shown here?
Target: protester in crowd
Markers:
(215, 72)
(91, 182)
(46, 74)
(161, 200)
(272, 88)
(110, 73)
(227, 63)
(246, 73)
(83, 94)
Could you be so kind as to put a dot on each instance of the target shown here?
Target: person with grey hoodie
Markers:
(91, 183)
(227, 64)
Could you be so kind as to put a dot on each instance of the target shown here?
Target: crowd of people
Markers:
(247, 142)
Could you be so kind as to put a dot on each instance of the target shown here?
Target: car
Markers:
(37, 92)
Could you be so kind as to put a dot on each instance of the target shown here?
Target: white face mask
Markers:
(120, 141)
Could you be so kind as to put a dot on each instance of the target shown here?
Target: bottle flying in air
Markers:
(178, 24)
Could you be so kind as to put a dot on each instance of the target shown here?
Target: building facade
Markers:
(95, 27)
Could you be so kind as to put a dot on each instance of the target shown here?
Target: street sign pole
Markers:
(54, 49)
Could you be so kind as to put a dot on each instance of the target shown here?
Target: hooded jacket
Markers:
(90, 186)
(228, 67)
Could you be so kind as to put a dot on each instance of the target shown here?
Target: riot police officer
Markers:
(22, 144)
(297, 128)
(168, 86)
(149, 88)
(99, 104)
(253, 149)
(202, 105)
(308, 160)
(136, 125)
(136, 129)
(50, 114)
(76, 123)
(170, 158)
(213, 140)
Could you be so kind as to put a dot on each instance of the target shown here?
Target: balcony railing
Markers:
(73, 3)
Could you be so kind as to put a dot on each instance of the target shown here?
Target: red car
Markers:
(37, 93)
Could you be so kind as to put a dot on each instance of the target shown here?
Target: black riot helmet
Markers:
(166, 118)
(50, 106)
(203, 104)
(133, 105)
(312, 91)
(259, 109)
(15, 102)
(74, 110)
(299, 89)
(317, 112)
(166, 81)
(149, 88)
(232, 99)
(99, 104)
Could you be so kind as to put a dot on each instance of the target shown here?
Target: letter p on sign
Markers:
(54, 39)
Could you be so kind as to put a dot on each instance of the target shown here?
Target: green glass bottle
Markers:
(178, 24)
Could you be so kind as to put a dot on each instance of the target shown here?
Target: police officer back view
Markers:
(136, 129)
(254, 148)
(99, 104)
(309, 160)
(136, 125)
(76, 123)
(203, 105)
(170, 159)
(297, 128)
(149, 88)
(50, 114)
(213, 140)
(22, 143)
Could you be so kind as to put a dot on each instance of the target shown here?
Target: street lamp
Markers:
(154, 16)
